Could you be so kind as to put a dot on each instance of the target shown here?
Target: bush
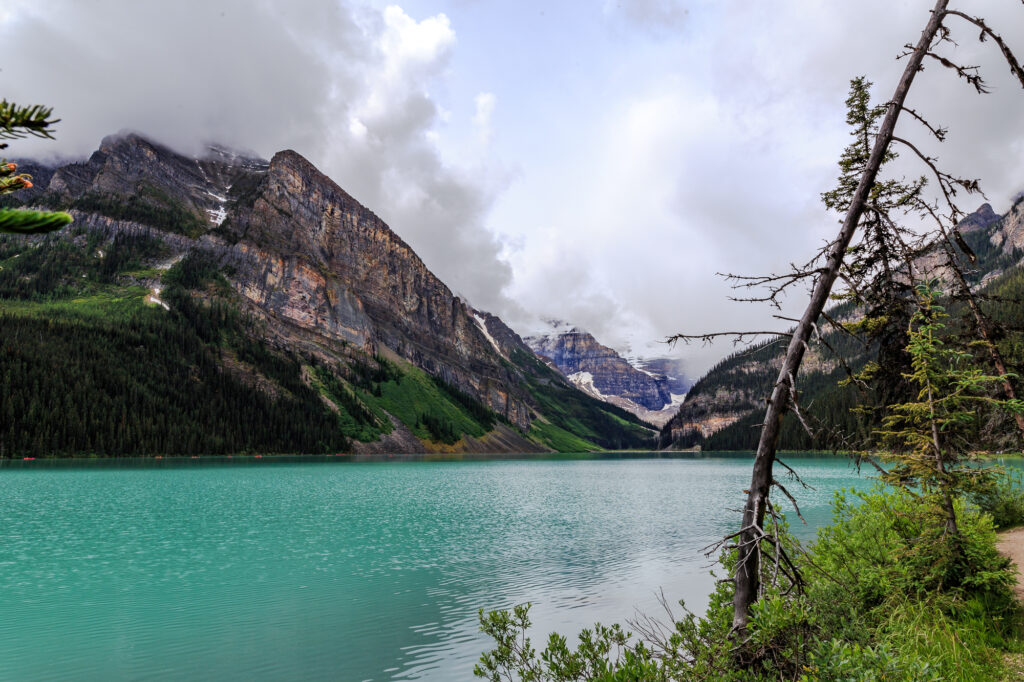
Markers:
(1003, 500)
(887, 597)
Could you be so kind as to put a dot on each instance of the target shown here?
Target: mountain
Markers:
(724, 409)
(262, 288)
(671, 371)
(598, 370)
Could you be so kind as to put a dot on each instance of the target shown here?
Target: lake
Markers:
(349, 571)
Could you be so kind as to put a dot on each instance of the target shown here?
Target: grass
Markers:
(558, 438)
(409, 394)
(110, 304)
(144, 273)
(415, 395)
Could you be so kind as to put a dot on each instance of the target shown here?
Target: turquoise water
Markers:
(318, 571)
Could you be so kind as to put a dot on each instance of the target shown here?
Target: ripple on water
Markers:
(323, 572)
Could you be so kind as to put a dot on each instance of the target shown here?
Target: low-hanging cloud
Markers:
(348, 87)
(713, 157)
(652, 143)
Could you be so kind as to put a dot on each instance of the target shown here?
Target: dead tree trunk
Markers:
(747, 579)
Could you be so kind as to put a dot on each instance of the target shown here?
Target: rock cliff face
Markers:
(579, 356)
(981, 219)
(148, 175)
(1010, 233)
(313, 255)
(298, 248)
(642, 387)
(324, 274)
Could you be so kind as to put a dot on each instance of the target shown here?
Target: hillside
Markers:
(230, 304)
(723, 409)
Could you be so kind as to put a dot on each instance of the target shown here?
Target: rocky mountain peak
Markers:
(325, 281)
(601, 371)
(983, 217)
(234, 157)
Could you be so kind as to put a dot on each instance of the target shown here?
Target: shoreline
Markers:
(160, 461)
(173, 461)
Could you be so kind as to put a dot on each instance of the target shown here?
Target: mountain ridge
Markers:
(324, 281)
(603, 373)
(723, 409)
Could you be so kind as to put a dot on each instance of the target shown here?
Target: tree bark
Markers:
(747, 578)
(940, 469)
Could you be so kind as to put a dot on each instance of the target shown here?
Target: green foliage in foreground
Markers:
(21, 221)
(881, 602)
(932, 433)
(17, 122)
(1003, 500)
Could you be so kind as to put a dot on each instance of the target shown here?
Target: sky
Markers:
(593, 161)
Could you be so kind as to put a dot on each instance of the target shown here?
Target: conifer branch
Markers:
(21, 221)
(21, 121)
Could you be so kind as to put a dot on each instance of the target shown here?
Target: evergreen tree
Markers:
(18, 122)
(932, 434)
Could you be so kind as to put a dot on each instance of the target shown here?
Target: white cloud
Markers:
(711, 152)
(348, 87)
(485, 103)
(651, 142)
(406, 41)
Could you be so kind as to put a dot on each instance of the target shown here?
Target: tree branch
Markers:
(1015, 66)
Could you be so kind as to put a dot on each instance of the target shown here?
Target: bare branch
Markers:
(939, 133)
(794, 475)
(1016, 68)
(796, 406)
(707, 338)
(947, 182)
(968, 73)
(792, 499)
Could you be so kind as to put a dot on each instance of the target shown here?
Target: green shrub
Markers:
(1003, 500)
(882, 600)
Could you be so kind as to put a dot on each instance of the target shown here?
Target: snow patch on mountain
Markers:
(482, 323)
(585, 382)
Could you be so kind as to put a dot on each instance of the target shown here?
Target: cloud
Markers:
(485, 103)
(651, 143)
(711, 151)
(660, 16)
(349, 87)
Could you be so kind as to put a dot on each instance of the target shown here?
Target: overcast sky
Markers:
(593, 161)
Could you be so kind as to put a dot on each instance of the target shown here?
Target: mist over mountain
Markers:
(291, 293)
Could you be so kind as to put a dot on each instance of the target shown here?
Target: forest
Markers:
(89, 368)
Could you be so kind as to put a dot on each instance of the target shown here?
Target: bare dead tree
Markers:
(750, 540)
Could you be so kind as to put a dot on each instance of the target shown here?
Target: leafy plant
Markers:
(1002, 499)
(874, 607)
